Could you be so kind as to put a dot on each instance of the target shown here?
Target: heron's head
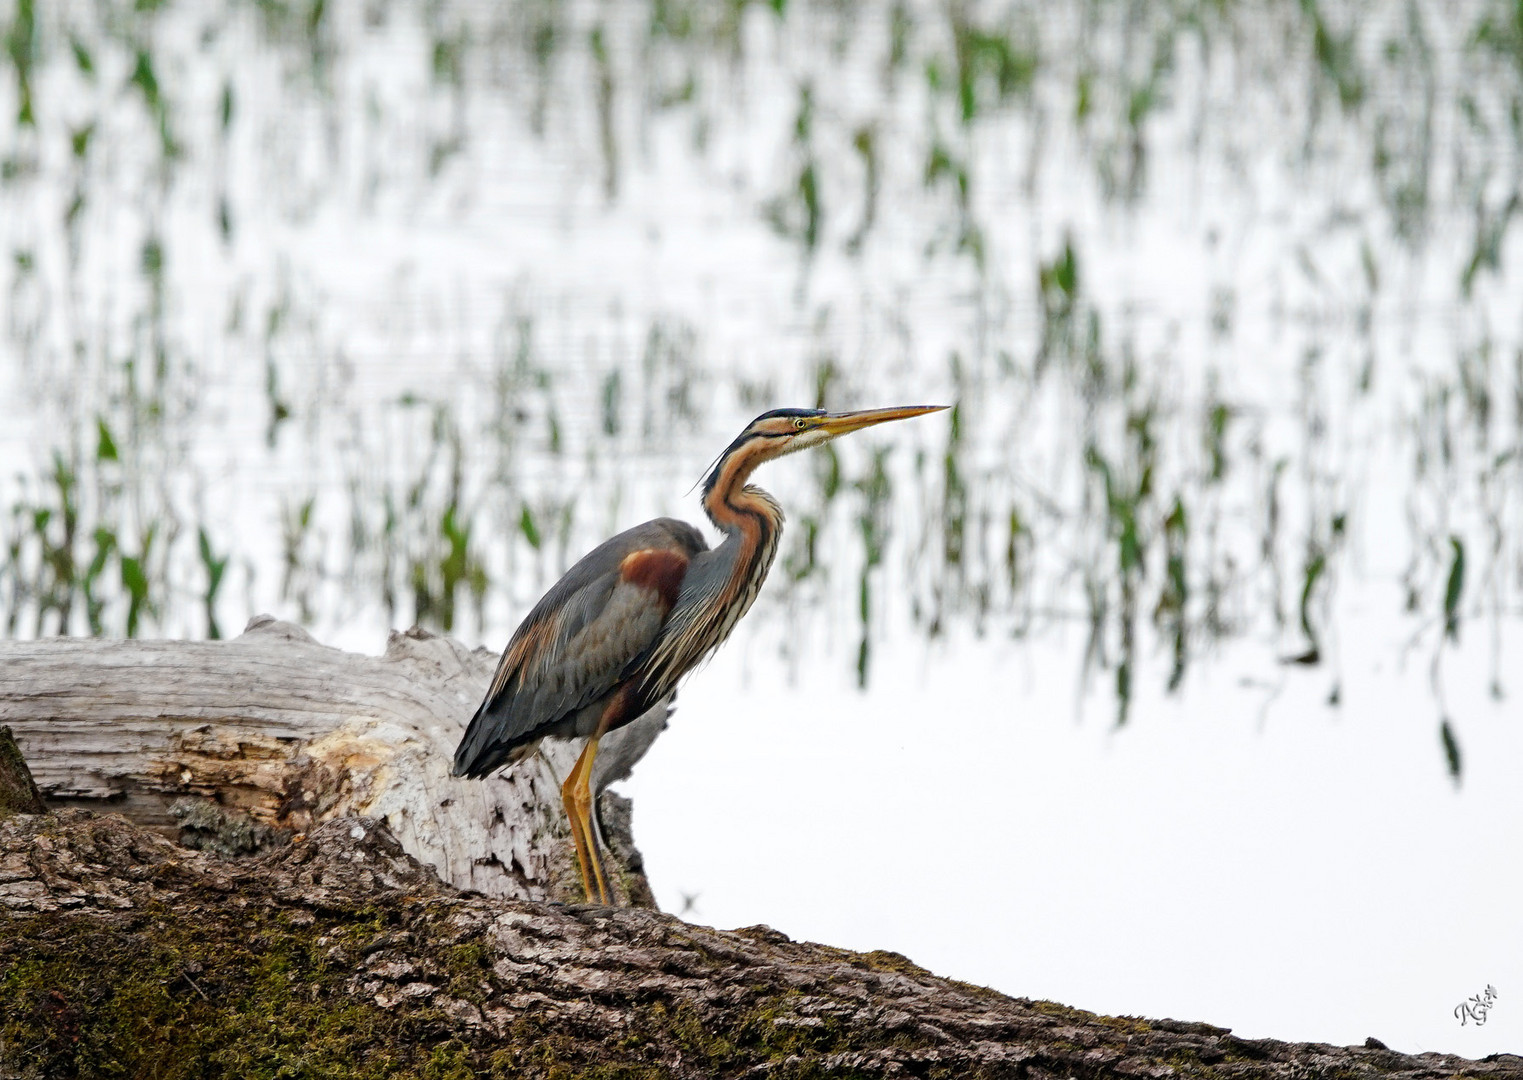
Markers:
(783, 431)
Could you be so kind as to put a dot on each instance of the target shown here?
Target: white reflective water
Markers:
(1240, 853)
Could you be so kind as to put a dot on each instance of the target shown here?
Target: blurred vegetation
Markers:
(1099, 470)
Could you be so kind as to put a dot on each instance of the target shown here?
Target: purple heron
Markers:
(637, 613)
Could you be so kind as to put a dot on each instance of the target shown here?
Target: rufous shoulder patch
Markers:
(658, 569)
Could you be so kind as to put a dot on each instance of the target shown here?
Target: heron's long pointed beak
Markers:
(841, 423)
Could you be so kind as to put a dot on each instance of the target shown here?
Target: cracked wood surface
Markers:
(290, 733)
(426, 981)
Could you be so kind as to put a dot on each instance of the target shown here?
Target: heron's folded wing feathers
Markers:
(575, 645)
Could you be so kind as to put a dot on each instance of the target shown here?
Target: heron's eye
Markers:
(798, 423)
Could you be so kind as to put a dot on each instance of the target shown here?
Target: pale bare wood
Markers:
(295, 733)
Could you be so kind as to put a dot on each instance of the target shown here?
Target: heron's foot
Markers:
(595, 856)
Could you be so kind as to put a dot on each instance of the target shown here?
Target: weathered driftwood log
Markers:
(340, 956)
(273, 733)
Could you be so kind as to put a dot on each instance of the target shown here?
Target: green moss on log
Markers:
(259, 997)
(261, 993)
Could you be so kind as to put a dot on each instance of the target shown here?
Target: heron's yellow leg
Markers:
(588, 809)
(576, 795)
(590, 833)
(568, 800)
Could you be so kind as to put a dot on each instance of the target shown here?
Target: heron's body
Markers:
(580, 650)
(616, 634)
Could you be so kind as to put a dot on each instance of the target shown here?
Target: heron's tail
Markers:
(482, 753)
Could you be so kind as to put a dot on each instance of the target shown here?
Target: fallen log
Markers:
(236, 746)
(340, 956)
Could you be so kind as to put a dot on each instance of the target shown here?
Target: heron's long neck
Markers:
(752, 523)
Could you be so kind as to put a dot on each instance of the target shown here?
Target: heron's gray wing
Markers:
(575, 644)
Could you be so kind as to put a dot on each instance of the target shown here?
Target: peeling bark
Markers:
(237, 745)
(341, 956)
(18, 791)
